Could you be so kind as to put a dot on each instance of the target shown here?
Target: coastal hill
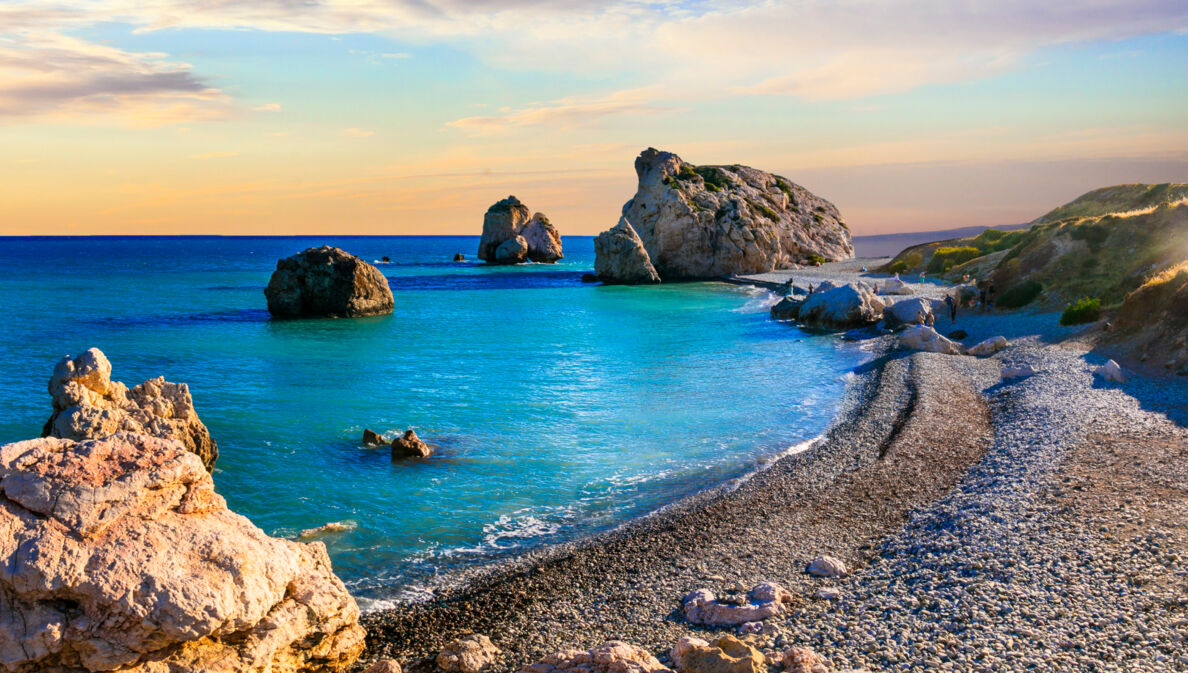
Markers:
(711, 221)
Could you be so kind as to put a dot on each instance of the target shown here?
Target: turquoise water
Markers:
(558, 408)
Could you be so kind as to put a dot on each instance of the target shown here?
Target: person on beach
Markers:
(810, 288)
(982, 298)
(990, 295)
(952, 304)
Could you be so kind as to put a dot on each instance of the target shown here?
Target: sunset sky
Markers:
(412, 116)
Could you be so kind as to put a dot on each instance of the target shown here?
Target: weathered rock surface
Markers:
(924, 338)
(765, 600)
(842, 308)
(384, 666)
(787, 308)
(620, 257)
(907, 312)
(410, 446)
(87, 404)
(827, 566)
(469, 654)
(1111, 371)
(326, 529)
(372, 438)
(803, 660)
(327, 282)
(894, 285)
(1020, 372)
(712, 221)
(724, 655)
(508, 220)
(118, 554)
(614, 656)
(988, 347)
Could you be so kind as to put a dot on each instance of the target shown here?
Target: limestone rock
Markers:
(372, 438)
(988, 347)
(469, 654)
(508, 220)
(828, 594)
(620, 257)
(841, 308)
(787, 308)
(512, 251)
(384, 666)
(87, 404)
(894, 285)
(713, 221)
(924, 338)
(1017, 372)
(118, 554)
(827, 566)
(906, 313)
(765, 600)
(724, 655)
(613, 656)
(803, 660)
(681, 647)
(327, 282)
(1111, 371)
(410, 446)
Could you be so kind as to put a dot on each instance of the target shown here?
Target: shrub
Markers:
(898, 267)
(713, 176)
(946, 258)
(764, 210)
(1020, 294)
(816, 260)
(1082, 311)
(1094, 234)
(786, 189)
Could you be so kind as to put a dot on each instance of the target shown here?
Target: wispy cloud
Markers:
(268, 107)
(357, 133)
(568, 112)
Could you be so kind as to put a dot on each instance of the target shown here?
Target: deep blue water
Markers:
(559, 408)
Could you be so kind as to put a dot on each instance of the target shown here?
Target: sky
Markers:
(276, 117)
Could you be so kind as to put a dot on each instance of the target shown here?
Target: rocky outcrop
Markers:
(908, 312)
(765, 600)
(619, 257)
(372, 438)
(119, 555)
(87, 404)
(841, 308)
(410, 446)
(724, 655)
(507, 221)
(327, 282)
(612, 656)
(470, 654)
(787, 308)
(712, 221)
(924, 338)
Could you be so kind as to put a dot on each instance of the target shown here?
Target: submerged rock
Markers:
(119, 555)
(713, 221)
(765, 600)
(470, 654)
(619, 257)
(841, 308)
(87, 404)
(326, 529)
(536, 239)
(327, 282)
(459, 257)
(373, 438)
(410, 446)
(724, 655)
(614, 656)
(924, 338)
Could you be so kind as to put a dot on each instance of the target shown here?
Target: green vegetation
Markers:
(716, 179)
(764, 210)
(1082, 311)
(946, 258)
(816, 260)
(786, 188)
(817, 218)
(1118, 199)
(1021, 294)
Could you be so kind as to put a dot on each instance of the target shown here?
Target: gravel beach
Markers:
(1034, 524)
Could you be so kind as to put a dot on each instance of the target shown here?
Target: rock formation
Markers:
(765, 600)
(712, 221)
(619, 257)
(924, 338)
(510, 236)
(787, 308)
(119, 555)
(612, 656)
(841, 308)
(906, 313)
(372, 438)
(88, 405)
(327, 282)
(724, 655)
(410, 446)
(988, 347)
(470, 654)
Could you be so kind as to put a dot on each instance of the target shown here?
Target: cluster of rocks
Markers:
(927, 339)
(408, 445)
(512, 236)
(690, 222)
(832, 306)
(765, 600)
(327, 282)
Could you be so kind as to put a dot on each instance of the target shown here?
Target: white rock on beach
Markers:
(119, 555)
(87, 404)
(1017, 372)
(469, 654)
(907, 312)
(924, 338)
(841, 307)
(764, 601)
(827, 566)
(828, 594)
(988, 347)
(894, 285)
(1111, 371)
(613, 656)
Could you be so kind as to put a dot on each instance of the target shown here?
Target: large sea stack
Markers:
(711, 221)
(512, 236)
(327, 282)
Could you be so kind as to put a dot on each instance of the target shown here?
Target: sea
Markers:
(558, 408)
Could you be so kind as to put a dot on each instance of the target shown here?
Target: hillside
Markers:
(888, 245)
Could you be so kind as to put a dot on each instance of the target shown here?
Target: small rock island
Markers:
(511, 236)
(327, 282)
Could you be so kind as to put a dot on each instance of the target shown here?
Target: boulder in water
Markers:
(841, 308)
(620, 258)
(958, 334)
(512, 251)
(87, 404)
(327, 282)
(787, 308)
(119, 555)
(410, 446)
(372, 438)
(508, 220)
(459, 257)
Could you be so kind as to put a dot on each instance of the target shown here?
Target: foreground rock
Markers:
(619, 257)
(766, 600)
(511, 236)
(906, 313)
(118, 554)
(841, 308)
(787, 308)
(712, 221)
(1111, 371)
(827, 566)
(88, 405)
(924, 338)
(613, 656)
(988, 347)
(410, 446)
(372, 438)
(470, 654)
(327, 282)
(724, 655)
